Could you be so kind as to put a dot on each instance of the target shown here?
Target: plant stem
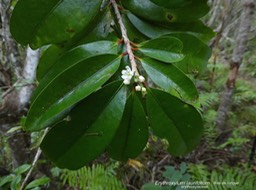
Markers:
(127, 42)
(36, 158)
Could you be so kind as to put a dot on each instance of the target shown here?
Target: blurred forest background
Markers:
(228, 105)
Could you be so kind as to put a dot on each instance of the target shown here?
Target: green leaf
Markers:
(54, 52)
(196, 54)
(183, 167)
(48, 58)
(147, 10)
(43, 22)
(167, 49)
(15, 184)
(151, 186)
(174, 120)
(68, 88)
(184, 10)
(171, 174)
(196, 28)
(146, 28)
(38, 182)
(90, 128)
(133, 34)
(56, 61)
(22, 169)
(170, 78)
(14, 129)
(132, 134)
(101, 29)
(172, 3)
(6, 179)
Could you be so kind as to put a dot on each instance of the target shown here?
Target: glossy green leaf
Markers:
(43, 22)
(167, 49)
(132, 134)
(170, 78)
(147, 10)
(171, 3)
(196, 28)
(101, 29)
(54, 52)
(189, 11)
(38, 182)
(196, 54)
(22, 169)
(148, 29)
(48, 58)
(58, 62)
(90, 128)
(174, 120)
(185, 10)
(133, 34)
(68, 88)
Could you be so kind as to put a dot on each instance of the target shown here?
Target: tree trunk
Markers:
(236, 60)
(17, 83)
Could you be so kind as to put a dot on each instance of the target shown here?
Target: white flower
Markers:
(138, 88)
(143, 89)
(126, 81)
(128, 68)
(127, 75)
(141, 78)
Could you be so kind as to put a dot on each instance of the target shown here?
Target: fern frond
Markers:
(96, 177)
(225, 179)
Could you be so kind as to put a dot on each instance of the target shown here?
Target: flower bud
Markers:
(138, 88)
(141, 78)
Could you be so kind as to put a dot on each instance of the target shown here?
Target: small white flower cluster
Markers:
(139, 88)
(140, 79)
(127, 75)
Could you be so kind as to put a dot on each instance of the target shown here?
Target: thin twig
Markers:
(36, 158)
(127, 42)
(11, 88)
(16, 86)
(157, 165)
(131, 186)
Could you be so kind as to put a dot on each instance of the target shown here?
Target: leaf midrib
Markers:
(77, 87)
(70, 67)
(64, 71)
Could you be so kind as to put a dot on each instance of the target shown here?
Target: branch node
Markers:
(120, 41)
(124, 54)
